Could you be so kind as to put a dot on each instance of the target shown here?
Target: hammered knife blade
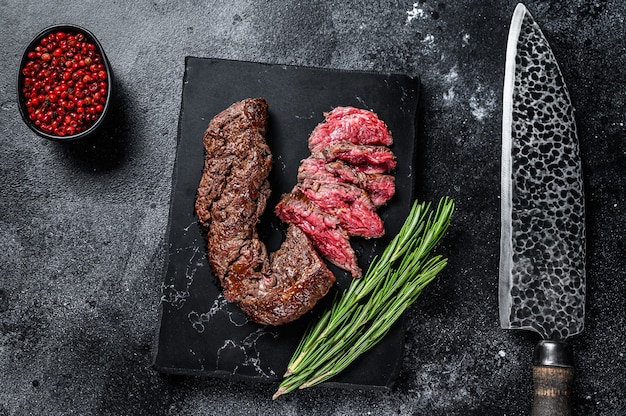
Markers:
(542, 251)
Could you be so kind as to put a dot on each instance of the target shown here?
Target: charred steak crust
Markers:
(349, 204)
(349, 124)
(306, 279)
(231, 197)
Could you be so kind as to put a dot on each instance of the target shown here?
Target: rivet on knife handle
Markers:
(553, 373)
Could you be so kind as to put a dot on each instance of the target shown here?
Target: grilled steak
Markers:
(231, 197)
(342, 183)
(298, 278)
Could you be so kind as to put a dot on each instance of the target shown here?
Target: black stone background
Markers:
(82, 226)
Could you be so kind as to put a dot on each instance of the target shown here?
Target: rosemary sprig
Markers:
(363, 314)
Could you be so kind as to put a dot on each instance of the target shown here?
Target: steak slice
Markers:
(352, 125)
(304, 280)
(324, 230)
(341, 184)
(231, 197)
(365, 158)
(349, 204)
(379, 187)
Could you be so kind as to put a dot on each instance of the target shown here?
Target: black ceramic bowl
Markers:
(92, 127)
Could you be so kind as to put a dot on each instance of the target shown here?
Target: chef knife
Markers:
(542, 251)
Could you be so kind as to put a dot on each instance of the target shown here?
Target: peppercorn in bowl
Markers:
(65, 84)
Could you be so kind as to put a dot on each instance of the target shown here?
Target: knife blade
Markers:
(542, 251)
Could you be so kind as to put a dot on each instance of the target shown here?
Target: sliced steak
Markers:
(349, 204)
(324, 230)
(231, 197)
(366, 158)
(352, 125)
(315, 169)
(379, 187)
(341, 184)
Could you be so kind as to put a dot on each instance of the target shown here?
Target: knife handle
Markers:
(553, 375)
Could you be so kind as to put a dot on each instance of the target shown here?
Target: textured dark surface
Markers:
(82, 226)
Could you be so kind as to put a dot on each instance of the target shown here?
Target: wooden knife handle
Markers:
(553, 374)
